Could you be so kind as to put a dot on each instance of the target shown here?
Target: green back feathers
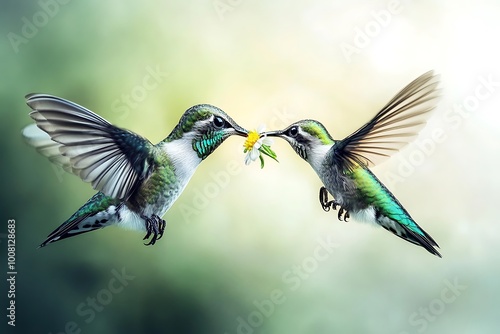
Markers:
(97, 203)
(379, 196)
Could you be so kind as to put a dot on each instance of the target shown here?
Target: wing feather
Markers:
(113, 160)
(393, 127)
(41, 141)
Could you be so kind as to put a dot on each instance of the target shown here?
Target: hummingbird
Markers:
(137, 181)
(343, 165)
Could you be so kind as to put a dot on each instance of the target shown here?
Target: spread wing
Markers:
(41, 141)
(393, 127)
(113, 160)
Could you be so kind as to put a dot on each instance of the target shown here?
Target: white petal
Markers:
(267, 141)
(261, 128)
(248, 158)
(254, 153)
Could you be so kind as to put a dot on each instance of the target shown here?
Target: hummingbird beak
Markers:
(276, 133)
(239, 131)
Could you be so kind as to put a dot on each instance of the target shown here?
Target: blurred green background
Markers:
(249, 250)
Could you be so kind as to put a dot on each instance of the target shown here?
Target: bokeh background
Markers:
(249, 250)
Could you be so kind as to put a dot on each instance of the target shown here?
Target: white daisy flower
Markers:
(255, 146)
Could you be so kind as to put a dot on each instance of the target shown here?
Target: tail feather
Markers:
(70, 228)
(387, 212)
(95, 214)
(424, 239)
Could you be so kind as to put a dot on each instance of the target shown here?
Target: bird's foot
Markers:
(344, 212)
(325, 203)
(333, 204)
(155, 226)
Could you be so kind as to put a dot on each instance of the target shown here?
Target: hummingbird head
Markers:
(309, 138)
(206, 127)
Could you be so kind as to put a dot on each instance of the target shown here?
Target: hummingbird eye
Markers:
(293, 131)
(219, 122)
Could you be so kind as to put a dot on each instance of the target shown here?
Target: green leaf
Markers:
(261, 161)
(266, 150)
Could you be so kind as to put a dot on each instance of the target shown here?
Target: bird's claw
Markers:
(155, 226)
(323, 200)
(344, 212)
(327, 205)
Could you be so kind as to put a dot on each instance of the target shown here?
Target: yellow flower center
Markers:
(252, 138)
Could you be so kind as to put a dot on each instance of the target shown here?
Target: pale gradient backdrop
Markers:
(249, 250)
